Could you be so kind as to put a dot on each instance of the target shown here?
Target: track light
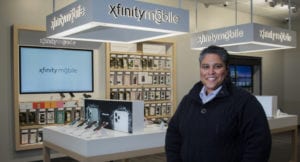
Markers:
(273, 3)
(86, 95)
(294, 9)
(226, 3)
(71, 94)
(62, 95)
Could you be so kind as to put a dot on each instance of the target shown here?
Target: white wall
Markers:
(33, 12)
(291, 76)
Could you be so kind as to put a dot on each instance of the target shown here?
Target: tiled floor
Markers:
(281, 151)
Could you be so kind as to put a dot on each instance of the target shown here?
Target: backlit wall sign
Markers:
(38, 38)
(245, 38)
(116, 21)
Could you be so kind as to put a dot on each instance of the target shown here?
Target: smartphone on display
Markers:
(121, 121)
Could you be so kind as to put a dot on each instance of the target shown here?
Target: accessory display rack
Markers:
(143, 71)
(32, 115)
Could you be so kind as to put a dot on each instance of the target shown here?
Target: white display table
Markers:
(104, 145)
(113, 145)
(287, 123)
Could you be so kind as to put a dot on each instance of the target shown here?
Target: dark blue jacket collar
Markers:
(225, 91)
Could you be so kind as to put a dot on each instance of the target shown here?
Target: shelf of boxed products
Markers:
(145, 79)
(142, 71)
(140, 86)
(157, 109)
(33, 116)
(146, 94)
(139, 62)
(126, 53)
(140, 53)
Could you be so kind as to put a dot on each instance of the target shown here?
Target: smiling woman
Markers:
(217, 121)
(212, 71)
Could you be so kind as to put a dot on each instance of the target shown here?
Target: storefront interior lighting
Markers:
(246, 38)
(116, 21)
(283, 3)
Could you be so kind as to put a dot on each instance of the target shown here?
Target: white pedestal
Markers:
(87, 143)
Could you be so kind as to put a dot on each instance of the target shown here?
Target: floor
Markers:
(281, 151)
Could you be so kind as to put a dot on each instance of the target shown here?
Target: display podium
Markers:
(103, 145)
(284, 124)
(113, 145)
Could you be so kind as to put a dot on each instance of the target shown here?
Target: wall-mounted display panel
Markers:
(245, 72)
(54, 70)
(41, 67)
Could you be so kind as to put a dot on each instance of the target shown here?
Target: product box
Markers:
(23, 117)
(42, 116)
(125, 116)
(269, 104)
(31, 116)
(50, 116)
(60, 116)
(32, 136)
(24, 136)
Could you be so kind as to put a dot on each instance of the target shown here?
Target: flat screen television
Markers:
(244, 75)
(241, 75)
(55, 70)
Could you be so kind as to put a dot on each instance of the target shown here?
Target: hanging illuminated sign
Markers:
(116, 21)
(38, 38)
(245, 38)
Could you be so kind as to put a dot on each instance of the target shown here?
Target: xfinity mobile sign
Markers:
(69, 17)
(246, 38)
(228, 35)
(130, 16)
(158, 16)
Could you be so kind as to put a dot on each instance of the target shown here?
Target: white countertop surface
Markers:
(283, 121)
(89, 143)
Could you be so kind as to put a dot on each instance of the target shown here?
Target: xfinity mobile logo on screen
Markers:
(214, 37)
(269, 34)
(54, 70)
(158, 16)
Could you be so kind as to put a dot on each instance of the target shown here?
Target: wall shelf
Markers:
(146, 73)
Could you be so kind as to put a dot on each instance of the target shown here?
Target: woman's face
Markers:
(212, 71)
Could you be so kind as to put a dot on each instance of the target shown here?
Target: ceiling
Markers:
(260, 7)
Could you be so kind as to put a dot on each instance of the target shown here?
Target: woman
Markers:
(217, 121)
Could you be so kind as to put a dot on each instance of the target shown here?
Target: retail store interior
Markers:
(274, 72)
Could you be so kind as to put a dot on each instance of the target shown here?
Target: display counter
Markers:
(285, 124)
(106, 145)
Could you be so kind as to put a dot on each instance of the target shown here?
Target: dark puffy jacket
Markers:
(230, 128)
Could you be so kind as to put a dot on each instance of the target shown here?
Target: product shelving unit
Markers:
(18, 126)
(28, 126)
(143, 71)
